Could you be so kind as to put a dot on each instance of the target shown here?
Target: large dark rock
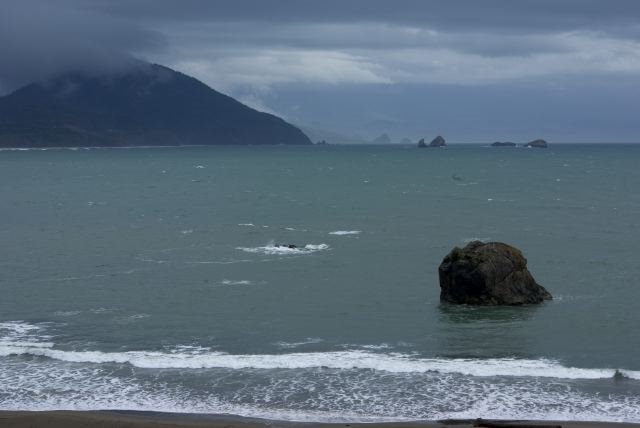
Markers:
(144, 105)
(437, 142)
(488, 274)
(539, 144)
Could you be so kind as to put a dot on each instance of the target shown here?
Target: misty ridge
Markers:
(71, 76)
(139, 105)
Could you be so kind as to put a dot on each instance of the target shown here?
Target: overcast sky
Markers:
(564, 70)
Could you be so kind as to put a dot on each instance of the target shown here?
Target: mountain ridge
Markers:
(150, 105)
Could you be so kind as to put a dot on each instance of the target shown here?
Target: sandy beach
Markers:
(130, 419)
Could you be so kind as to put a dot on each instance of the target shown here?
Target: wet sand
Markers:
(130, 419)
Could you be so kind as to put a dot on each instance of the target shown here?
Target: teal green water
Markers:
(149, 279)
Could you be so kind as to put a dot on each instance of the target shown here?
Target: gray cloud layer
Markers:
(526, 15)
(333, 41)
(38, 39)
(251, 48)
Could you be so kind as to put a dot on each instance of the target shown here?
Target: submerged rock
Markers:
(503, 144)
(291, 246)
(540, 144)
(490, 273)
(437, 142)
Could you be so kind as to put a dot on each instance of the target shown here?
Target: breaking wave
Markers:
(351, 385)
(275, 249)
(343, 360)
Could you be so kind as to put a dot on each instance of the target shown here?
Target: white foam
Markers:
(326, 396)
(21, 334)
(246, 224)
(307, 341)
(149, 260)
(467, 240)
(349, 395)
(17, 327)
(101, 310)
(131, 318)
(376, 347)
(272, 249)
(318, 247)
(345, 232)
(235, 282)
(67, 313)
(330, 388)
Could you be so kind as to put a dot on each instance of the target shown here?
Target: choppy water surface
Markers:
(161, 279)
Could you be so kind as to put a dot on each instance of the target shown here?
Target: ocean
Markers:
(153, 279)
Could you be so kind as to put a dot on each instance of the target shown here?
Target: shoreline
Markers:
(150, 419)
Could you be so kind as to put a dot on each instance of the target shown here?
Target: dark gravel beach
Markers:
(119, 419)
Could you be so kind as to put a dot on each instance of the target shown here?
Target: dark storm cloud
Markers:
(494, 15)
(38, 39)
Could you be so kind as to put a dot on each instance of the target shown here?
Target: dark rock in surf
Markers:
(437, 142)
(490, 273)
(618, 376)
(503, 144)
(539, 144)
(421, 143)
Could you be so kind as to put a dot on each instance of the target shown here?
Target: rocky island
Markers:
(436, 142)
(144, 105)
(490, 273)
(538, 144)
(382, 139)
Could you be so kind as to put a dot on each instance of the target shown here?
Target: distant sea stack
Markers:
(437, 142)
(539, 144)
(491, 273)
(382, 139)
(148, 105)
(503, 144)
